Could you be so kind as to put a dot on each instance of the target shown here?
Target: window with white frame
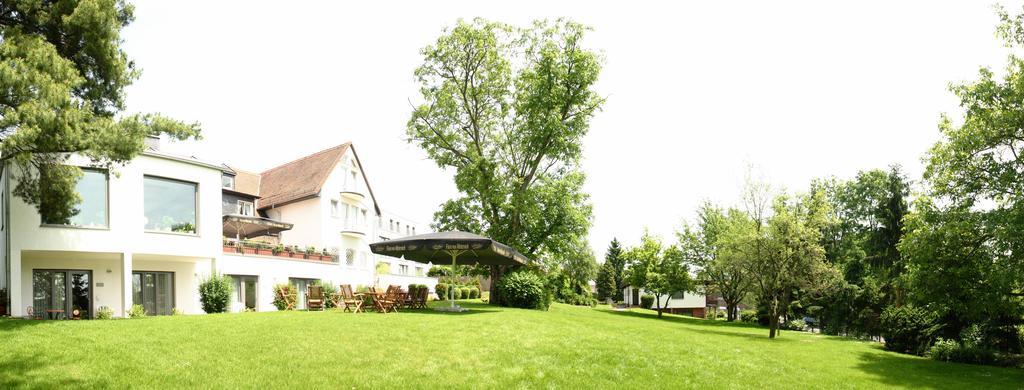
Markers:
(419, 271)
(245, 208)
(350, 257)
(403, 269)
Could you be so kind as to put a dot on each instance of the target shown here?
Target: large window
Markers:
(154, 291)
(227, 181)
(170, 205)
(92, 210)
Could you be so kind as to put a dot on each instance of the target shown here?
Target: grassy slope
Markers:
(488, 347)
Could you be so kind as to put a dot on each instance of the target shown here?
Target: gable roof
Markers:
(247, 182)
(303, 178)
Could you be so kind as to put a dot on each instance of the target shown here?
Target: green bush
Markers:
(329, 290)
(799, 325)
(474, 293)
(907, 329)
(137, 311)
(177, 312)
(215, 293)
(104, 313)
(456, 292)
(289, 289)
(720, 314)
(523, 289)
(646, 301)
(466, 293)
(953, 351)
(441, 290)
(749, 316)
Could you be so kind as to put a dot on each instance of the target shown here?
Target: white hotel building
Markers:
(149, 233)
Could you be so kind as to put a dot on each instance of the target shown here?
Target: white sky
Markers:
(695, 91)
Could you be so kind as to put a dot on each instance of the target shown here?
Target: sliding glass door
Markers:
(245, 290)
(154, 291)
(61, 294)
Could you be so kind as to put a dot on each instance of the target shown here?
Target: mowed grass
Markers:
(488, 347)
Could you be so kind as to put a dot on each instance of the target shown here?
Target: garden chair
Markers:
(418, 298)
(349, 299)
(284, 295)
(389, 301)
(315, 297)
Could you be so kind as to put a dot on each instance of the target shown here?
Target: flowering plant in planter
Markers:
(264, 249)
(250, 247)
(229, 246)
(296, 253)
(277, 249)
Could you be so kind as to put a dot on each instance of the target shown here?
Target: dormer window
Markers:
(227, 181)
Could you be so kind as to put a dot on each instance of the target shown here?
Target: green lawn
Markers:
(567, 347)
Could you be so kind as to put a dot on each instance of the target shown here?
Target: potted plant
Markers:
(249, 247)
(278, 250)
(229, 246)
(311, 253)
(325, 255)
(296, 253)
(264, 250)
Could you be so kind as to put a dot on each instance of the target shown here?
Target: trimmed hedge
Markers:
(523, 289)
(442, 291)
(646, 301)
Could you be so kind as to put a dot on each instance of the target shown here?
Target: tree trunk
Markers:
(773, 325)
(730, 312)
(497, 271)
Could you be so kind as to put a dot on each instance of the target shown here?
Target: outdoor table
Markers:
(54, 313)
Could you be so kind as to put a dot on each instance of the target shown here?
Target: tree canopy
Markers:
(62, 76)
(506, 108)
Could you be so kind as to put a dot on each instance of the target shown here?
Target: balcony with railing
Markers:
(354, 228)
(353, 191)
(280, 251)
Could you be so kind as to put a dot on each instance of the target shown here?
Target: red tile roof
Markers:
(299, 179)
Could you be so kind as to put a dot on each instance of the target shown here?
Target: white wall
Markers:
(690, 300)
(271, 270)
(125, 233)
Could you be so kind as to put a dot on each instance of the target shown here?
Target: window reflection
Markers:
(170, 205)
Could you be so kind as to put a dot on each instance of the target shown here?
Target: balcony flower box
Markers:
(228, 248)
(264, 251)
(297, 255)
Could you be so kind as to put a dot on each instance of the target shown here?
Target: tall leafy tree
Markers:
(968, 227)
(658, 270)
(706, 247)
(785, 255)
(506, 108)
(62, 80)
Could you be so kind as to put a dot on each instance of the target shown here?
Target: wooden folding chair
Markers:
(352, 302)
(284, 294)
(315, 297)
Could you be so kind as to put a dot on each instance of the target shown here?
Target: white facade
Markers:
(687, 300)
(112, 253)
(125, 261)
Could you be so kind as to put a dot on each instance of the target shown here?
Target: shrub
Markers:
(442, 291)
(907, 329)
(646, 301)
(474, 293)
(523, 289)
(177, 312)
(215, 293)
(796, 325)
(456, 292)
(104, 313)
(279, 303)
(749, 316)
(329, 290)
(137, 311)
(720, 314)
(466, 293)
(953, 351)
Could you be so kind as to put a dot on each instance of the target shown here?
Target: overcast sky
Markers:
(695, 91)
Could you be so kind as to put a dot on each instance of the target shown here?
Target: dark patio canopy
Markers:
(444, 247)
(245, 226)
